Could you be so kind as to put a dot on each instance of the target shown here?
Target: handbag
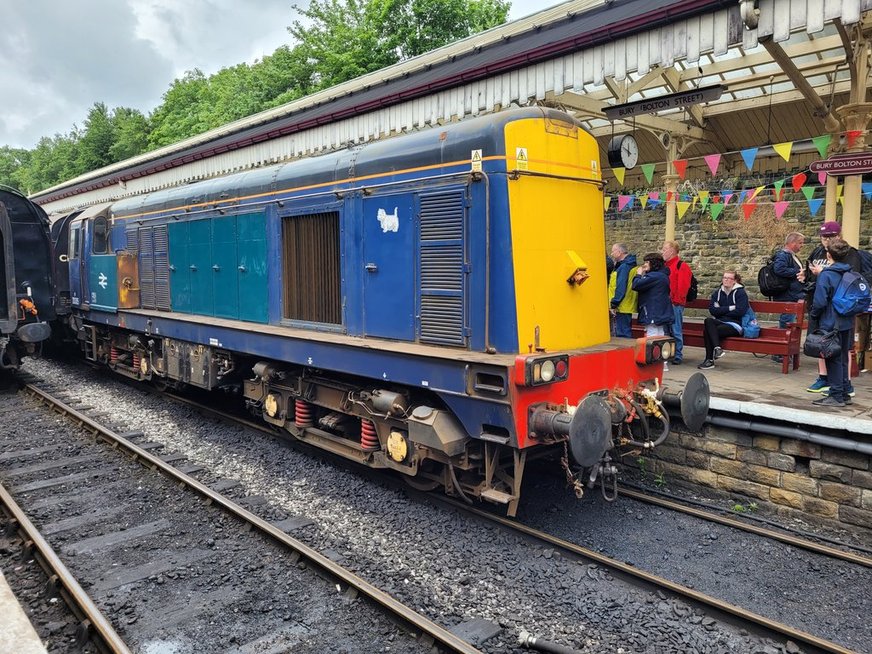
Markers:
(822, 345)
(750, 328)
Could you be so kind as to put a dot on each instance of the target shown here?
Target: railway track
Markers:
(29, 478)
(665, 592)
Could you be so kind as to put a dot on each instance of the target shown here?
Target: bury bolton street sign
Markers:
(664, 102)
(844, 164)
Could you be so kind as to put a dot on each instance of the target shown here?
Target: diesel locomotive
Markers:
(433, 303)
(27, 310)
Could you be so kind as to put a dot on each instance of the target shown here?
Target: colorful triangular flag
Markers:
(851, 136)
(713, 161)
(784, 149)
(680, 166)
(648, 171)
(780, 207)
(866, 188)
(727, 198)
(619, 174)
(814, 205)
(607, 200)
(682, 209)
(822, 143)
(717, 208)
(749, 156)
(623, 201)
(643, 199)
(839, 189)
(822, 179)
(808, 192)
(748, 209)
(778, 193)
(798, 180)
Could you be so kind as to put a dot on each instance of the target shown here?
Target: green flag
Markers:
(822, 143)
(716, 208)
(648, 171)
(808, 192)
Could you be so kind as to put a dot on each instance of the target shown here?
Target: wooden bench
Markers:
(786, 342)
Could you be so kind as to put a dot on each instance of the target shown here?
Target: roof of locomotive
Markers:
(433, 146)
(20, 209)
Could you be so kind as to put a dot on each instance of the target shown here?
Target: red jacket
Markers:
(679, 280)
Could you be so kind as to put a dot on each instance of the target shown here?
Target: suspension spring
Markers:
(303, 414)
(368, 436)
(113, 355)
(137, 360)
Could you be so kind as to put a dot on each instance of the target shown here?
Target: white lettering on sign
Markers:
(390, 222)
(103, 281)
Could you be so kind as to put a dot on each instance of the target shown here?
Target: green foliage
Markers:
(336, 40)
(749, 507)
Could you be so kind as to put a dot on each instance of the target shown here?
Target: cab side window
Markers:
(100, 242)
(75, 251)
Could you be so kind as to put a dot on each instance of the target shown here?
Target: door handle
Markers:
(216, 267)
(193, 267)
(172, 268)
(371, 267)
(241, 268)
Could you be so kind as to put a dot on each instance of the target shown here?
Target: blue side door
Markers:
(389, 265)
(75, 263)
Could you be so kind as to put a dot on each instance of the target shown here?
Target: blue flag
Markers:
(749, 156)
(814, 204)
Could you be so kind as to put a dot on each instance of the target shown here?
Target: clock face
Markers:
(629, 152)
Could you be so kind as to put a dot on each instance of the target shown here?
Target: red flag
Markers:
(669, 196)
(852, 136)
(798, 181)
(748, 208)
(680, 166)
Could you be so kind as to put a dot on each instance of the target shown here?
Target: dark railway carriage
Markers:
(433, 303)
(28, 304)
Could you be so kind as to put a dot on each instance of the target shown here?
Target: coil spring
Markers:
(137, 360)
(113, 355)
(303, 414)
(368, 436)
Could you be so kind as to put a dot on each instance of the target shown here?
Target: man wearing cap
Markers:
(816, 262)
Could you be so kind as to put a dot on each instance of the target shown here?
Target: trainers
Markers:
(777, 358)
(828, 401)
(676, 362)
(850, 392)
(708, 364)
(719, 352)
(819, 385)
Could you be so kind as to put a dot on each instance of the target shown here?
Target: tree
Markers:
(97, 140)
(181, 114)
(12, 160)
(131, 130)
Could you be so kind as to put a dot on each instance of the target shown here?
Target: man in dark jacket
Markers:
(655, 305)
(788, 266)
(622, 298)
(825, 314)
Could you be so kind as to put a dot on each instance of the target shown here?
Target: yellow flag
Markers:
(682, 209)
(695, 198)
(842, 201)
(756, 192)
(703, 196)
(643, 199)
(607, 200)
(619, 174)
(839, 189)
(784, 149)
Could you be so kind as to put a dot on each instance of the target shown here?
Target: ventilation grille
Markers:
(443, 269)
(312, 280)
(152, 245)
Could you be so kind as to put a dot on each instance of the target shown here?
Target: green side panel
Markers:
(252, 267)
(103, 282)
(225, 276)
(180, 272)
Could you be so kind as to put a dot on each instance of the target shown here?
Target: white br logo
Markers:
(390, 222)
(103, 281)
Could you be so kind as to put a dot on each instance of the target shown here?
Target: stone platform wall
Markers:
(793, 478)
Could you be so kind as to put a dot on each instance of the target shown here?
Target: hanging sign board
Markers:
(844, 164)
(664, 102)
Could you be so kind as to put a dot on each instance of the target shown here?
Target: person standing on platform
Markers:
(828, 319)
(727, 305)
(622, 302)
(680, 275)
(788, 266)
(815, 264)
(655, 307)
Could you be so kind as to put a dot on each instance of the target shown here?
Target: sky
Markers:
(58, 58)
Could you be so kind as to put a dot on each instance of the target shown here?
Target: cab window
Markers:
(100, 242)
(75, 242)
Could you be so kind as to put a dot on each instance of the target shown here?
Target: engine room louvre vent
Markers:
(152, 245)
(443, 283)
(312, 279)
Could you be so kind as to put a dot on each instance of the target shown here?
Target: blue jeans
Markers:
(785, 319)
(838, 369)
(678, 312)
(623, 325)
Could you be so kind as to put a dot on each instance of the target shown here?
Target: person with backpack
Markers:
(622, 298)
(787, 266)
(837, 299)
(817, 261)
(681, 286)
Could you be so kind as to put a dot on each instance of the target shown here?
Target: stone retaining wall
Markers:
(793, 478)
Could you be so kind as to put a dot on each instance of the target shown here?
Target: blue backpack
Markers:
(852, 296)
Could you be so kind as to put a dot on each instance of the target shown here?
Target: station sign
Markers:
(844, 164)
(665, 102)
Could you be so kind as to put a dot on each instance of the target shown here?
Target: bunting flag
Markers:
(704, 196)
(851, 136)
(682, 209)
(749, 156)
(814, 205)
(866, 188)
(669, 195)
(654, 195)
(713, 161)
(693, 204)
(623, 201)
(780, 207)
(742, 197)
(607, 200)
(808, 192)
(822, 179)
(648, 171)
(797, 181)
(643, 199)
(680, 166)
(619, 174)
(716, 208)
(822, 143)
(778, 193)
(748, 209)
(756, 192)
(727, 197)
(839, 189)
(784, 149)
(842, 202)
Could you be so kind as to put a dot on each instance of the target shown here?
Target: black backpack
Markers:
(770, 283)
(693, 291)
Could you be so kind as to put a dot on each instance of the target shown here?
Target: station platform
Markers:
(16, 631)
(754, 387)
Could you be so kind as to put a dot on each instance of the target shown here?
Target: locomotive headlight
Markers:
(530, 371)
(668, 350)
(653, 349)
(547, 372)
